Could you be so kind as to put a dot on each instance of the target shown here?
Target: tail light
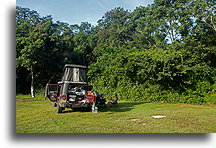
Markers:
(64, 97)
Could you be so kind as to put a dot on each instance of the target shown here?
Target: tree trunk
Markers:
(32, 83)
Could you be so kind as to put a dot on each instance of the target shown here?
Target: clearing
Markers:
(38, 116)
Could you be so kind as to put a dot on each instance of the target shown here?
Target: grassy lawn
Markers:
(38, 116)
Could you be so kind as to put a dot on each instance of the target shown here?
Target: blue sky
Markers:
(77, 11)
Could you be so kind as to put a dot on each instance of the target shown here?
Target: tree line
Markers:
(163, 52)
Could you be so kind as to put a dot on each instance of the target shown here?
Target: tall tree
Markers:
(112, 27)
(204, 16)
(85, 42)
(31, 46)
(43, 47)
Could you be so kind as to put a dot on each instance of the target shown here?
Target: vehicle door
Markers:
(52, 92)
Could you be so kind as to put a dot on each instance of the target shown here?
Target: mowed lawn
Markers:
(38, 116)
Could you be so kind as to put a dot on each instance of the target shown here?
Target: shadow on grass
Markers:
(120, 107)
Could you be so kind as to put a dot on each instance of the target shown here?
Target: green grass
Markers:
(29, 98)
(38, 116)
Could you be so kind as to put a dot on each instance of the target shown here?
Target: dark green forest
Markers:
(163, 52)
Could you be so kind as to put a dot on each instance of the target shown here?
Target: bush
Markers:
(153, 75)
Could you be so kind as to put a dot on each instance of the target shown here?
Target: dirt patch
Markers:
(29, 100)
(143, 123)
(157, 108)
(134, 119)
(109, 113)
(197, 106)
(176, 109)
(21, 101)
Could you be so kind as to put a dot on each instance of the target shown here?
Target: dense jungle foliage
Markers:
(163, 52)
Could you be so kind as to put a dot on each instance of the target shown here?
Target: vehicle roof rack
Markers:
(74, 66)
(71, 82)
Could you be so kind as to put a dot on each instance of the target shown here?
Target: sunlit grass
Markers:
(128, 117)
(28, 97)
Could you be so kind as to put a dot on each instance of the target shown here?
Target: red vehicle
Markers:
(73, 91)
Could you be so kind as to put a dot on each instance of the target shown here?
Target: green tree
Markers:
(112, 29)
(31, 49)
(43, 47)
(85, 42)
(204, 17)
